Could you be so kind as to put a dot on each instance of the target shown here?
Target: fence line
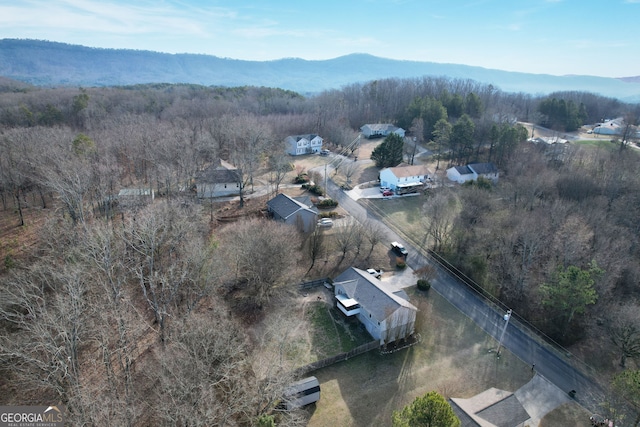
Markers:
(313, 283)
(371, 345)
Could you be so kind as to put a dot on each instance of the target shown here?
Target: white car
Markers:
(375, 273)
(383, 189)
(325, 222)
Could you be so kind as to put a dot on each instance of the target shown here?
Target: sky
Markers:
(586, 37)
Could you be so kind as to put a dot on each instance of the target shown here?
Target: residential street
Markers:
(551, 363)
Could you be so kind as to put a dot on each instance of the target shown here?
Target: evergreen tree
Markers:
(430, 410)
(389, 152)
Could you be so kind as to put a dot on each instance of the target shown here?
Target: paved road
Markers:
(550, 362)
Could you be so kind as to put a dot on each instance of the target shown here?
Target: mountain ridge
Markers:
(49, 63)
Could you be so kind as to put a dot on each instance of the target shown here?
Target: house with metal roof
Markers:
(382, 308)
(380, 130)
(294, 211)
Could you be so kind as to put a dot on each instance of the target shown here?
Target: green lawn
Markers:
(331, 333)
(402, 214)
(599, 143)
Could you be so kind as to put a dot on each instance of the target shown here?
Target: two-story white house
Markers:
(383, 309)
(297, 145)
(379, 130)
(401, 177)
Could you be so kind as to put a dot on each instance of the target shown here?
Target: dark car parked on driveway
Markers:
(398, 249)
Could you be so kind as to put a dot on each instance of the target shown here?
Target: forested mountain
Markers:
(53, 64)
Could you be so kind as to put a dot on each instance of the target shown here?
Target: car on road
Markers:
(325, 222)
(375, 273)
(387, 193)
(324, 152)
(383, 189)
(399, 249)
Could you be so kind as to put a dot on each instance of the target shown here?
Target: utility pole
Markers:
(337, 161)
(506, 318)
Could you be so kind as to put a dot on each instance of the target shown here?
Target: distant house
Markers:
(218, 180)
(297, 145)
(298, 212)
(460, 174)
(405, 176)
(472, 171)
(548, 140)
(610, 127)
(383, 309)
(133, 198)
(379, 130)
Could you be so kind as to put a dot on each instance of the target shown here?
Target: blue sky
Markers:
(591, 37)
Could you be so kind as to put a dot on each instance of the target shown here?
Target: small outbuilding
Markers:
(302, 393)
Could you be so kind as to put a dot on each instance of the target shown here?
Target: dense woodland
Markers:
(556, 239)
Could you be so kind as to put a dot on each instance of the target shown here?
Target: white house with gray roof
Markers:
(219, 179)
(379, 130)
(297, 145)
(399, 176)
(472, 171)
(382, 308)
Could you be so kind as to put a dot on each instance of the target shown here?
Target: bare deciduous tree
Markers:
(624, 330)
(262, 255)
(156, 240)
(47, 305)
(315, 245)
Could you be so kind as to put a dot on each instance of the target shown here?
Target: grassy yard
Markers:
(331, 332)
(403, 213)
(453, 358)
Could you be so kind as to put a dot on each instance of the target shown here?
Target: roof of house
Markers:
(378, 298)
(381, 127)
(134, 192)
(213, 175)
(221, 164)
(463, 170)
(483, 168)
(548, 140)
(286, 206)
(308, 136)
(491, 408)
(407, 171)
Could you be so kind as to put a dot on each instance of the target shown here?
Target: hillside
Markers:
(47, 63)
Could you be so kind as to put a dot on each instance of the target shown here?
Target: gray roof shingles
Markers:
(483, 168)
(371, 294)
(285, 206)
